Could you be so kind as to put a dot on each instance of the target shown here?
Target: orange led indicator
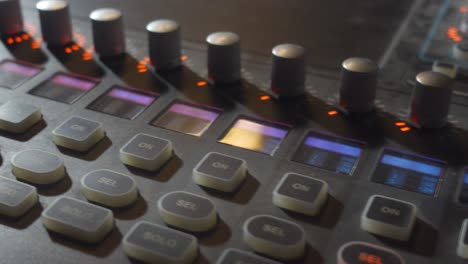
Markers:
(405, 129)
(265, 97)
(18, 39)
(453, 34)
(25, 36)
(400, 124)
(332, 112)
(201, 83)
(184, 57)
(36, 44)
(10, 41)
(463, 9)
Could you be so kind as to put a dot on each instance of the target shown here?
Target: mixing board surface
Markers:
(301, 132)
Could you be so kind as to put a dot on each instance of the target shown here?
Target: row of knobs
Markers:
(430, 99)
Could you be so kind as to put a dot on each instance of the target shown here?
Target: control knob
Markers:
(55, 22)
(11, 19)
(108, 32)
(288, 73)
(358, 85)
(431, 100)
(224, 63)
(164, 44)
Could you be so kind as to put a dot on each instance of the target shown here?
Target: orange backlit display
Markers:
(370, 258)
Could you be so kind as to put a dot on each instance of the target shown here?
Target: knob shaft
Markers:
(431, 100)
(11, 19)
(358, 85)
(288, 70)
(108, 32)
(55, 22)
(164, 44)
(224, 65)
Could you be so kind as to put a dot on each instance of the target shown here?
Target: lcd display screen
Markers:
(13, 74)
(260, 136)
(187, 118)
(329, 152)
(123, 102)
(65, 88)
(409, 172)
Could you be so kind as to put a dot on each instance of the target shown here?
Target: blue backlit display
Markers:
(411, 165)
(328, 152)
(409, 172)
(333, 146)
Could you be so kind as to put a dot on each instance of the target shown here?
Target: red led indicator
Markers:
(463, 9)
(370, 258)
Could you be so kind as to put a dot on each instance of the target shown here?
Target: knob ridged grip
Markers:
(164, 44)
(288, 70)
(55, 21)
(224, 65)
(358, 83)
(108, 32)
(11, 19)
(430, 101)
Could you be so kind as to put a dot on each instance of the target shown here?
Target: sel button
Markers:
(146, 152)
(38, 167)
(153, 243)
(220, 172)
(109, 188)
(365, 253)
(275, 237)
(388, 217)
(187, 211)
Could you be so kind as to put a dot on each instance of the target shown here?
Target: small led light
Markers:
(10, 41)
(201, 83)
(265, 97)
(332, 112)
(400, 124)
(405, 129)
(184, 57)
(463, 9)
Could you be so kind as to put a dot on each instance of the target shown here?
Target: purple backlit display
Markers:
(131, 96)
(73, 82)
(261, 136)
(65, 88)
(13, 74)
(123, 102)
(186, 118)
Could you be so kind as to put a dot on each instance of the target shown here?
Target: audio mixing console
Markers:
(269, 131)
